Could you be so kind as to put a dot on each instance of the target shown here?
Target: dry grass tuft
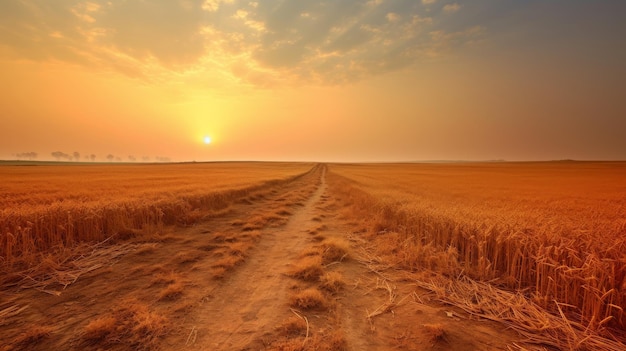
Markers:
(131, 324)
(172, 291)
(32, 336)
(435, 332)
(334, 250)
(100, 328)
(309, 299)
(332, 282)
(336, 341)
(308, 268)
(239, 248)
(228, 262)
(311, 251)
(187, 257)
(293, 327)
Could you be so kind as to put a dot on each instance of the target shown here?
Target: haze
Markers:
(349, 80)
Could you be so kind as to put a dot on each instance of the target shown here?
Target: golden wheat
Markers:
(42, 207)
(556, 231)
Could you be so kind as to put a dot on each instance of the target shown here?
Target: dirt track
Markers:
(228, 283)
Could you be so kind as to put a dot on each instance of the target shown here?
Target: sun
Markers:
(207, 140)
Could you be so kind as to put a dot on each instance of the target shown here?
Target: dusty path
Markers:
(227, 283)
(252, 301)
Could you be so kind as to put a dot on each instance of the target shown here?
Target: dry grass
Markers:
(293, 327)
(146, 249)
(228, 262)
(311, 251)
(239, 248)
(32, 336)
(287, 345)
(435, 332)
(172, 291)
(187, 257)
(332, 282)
(131, 324)
(334, 250)
(309, 299)
(308, 268)
(330, 341)
(335, 341)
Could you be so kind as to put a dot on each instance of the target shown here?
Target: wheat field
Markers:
(554, 231)
(536, 248)
(46, 207)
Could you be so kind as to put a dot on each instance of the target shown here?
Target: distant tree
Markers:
(76, 156)
(110, 157)
(26, 155)
(132, 158)
(146, 158)
(92, 157)
(162, 159)
(59, 155)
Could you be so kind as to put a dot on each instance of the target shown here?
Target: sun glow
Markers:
(207, 140)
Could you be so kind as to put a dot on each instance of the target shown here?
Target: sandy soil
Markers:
(236, 280)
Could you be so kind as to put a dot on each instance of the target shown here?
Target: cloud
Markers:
(214, 5)
(266, 43)
(392, 17)
(449, 8)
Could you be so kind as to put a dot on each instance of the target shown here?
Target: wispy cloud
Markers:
(214, 5)
(451, 7)
(259, 42)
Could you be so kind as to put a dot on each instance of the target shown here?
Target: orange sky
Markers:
(350, 80)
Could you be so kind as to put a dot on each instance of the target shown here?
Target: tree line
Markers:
(76, 157)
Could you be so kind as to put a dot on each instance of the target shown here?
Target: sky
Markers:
(313, 80)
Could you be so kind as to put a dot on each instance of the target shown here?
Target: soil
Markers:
(227, 283)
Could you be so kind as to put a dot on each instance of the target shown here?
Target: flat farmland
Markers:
(554, 231)
(302, 256)
(46, 206)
